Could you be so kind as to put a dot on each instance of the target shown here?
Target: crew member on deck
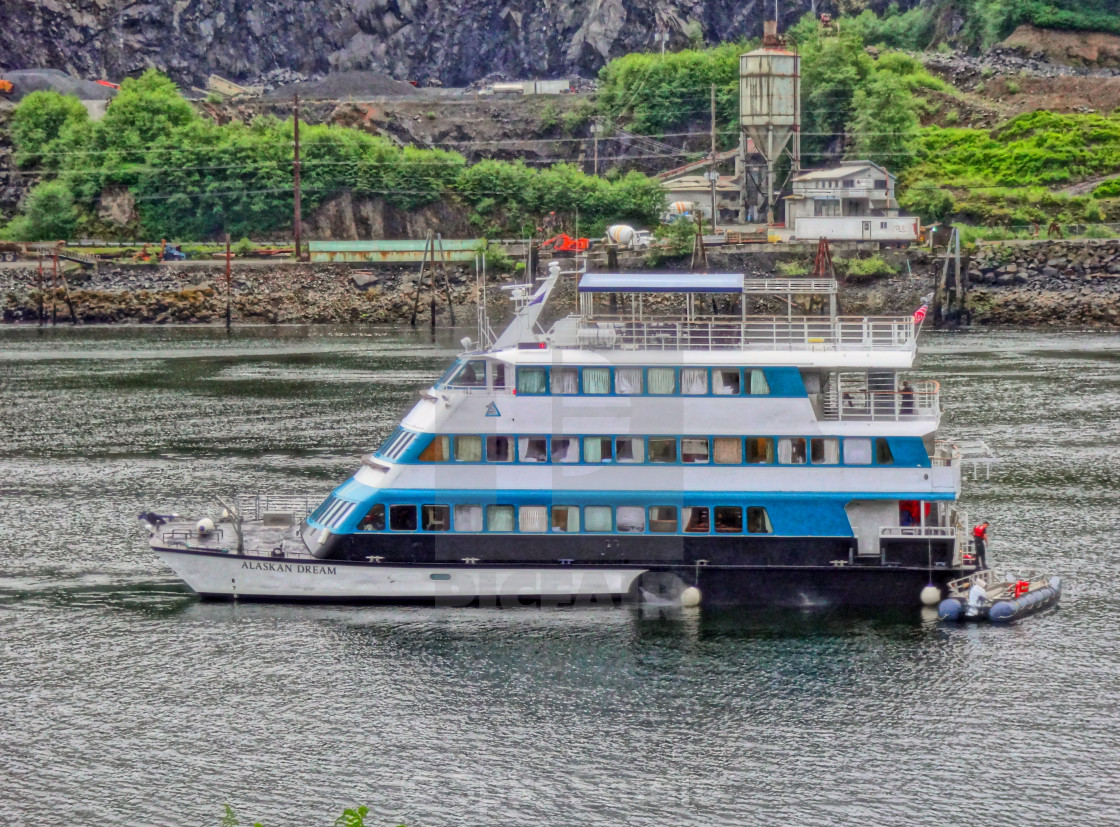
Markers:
(980, 540)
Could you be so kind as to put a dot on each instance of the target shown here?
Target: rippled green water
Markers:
(123, 700)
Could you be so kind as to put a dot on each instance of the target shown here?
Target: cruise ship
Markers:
(661, 443)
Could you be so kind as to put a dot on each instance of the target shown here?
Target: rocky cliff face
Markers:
(454, 41)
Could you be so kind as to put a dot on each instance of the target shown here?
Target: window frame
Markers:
(415, 517)
(424, 518)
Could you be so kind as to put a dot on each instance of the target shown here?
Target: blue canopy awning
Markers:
(661, 283)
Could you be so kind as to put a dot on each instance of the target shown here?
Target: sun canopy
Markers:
(661, 283)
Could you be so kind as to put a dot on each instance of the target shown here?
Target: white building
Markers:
(860, 191)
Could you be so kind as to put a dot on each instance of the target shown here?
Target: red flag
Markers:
(920, 313)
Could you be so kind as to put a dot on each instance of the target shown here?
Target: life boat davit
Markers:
(985, 596)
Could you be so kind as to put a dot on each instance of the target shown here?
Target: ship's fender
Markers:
(1005, 610)
(951, 608)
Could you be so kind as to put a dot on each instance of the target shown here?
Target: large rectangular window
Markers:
(468, 449)
(662, 381)
(628, 381)
(597, 449)
(597, 380)
(728, 450)
(760, 450)
(694, 381)
(729, 519)
(471, 374)
(824, 450)
(597, 518)
(565, 381)
(532, 380)
(631, 518)
(857, 451)
(565, 449)
(435, 517)
(499, 518)
(565, 518)
(663, 519)
(438, 450)
(662, 449)
(402, 517)
(499, 449)
(468, 518)
(533, 518)
(727, 381)
(791, 450)
(630, 449)
(532, 448)
(695, 449)
(695, 520)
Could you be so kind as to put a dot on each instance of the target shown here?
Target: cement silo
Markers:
(770, 105)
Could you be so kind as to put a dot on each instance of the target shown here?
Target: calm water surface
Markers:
(124, 700)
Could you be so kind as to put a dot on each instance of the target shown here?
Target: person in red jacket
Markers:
(980, 540)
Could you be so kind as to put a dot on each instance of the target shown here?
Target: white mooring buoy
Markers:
(205, 526)
(930, 595)
(690, 597)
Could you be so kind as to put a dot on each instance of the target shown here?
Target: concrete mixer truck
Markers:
(626, 237)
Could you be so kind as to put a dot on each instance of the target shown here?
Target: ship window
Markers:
(374, 519)
(727, 381)
(695, 520)
(760, 450)
(499, 449)
(468, 449)
(662, 381)
(597, 449)
(565, 518)
(824, 450)
(791, 450)
(532, 448)
(499, 369)
(438, 450)
(471, 374)
(729, 450)
(662, 449)
(630, 449)
(565, 380)
(883, 455)
(565, 449)
(499, 517)
(533, 518)
(628, 381)
(532, 380)
(435, 517)
(857, 451)
(695, 449)
(597, 518)
(729, 519)
(631, 518)
(759, 386)
(663, 519)
(694, 381)
(597, 380)
(758, 521)
(402, 517)
(468, 518)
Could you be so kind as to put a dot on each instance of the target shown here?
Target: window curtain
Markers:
(468, 518)
(857, 451)
(565, 380)
(631, 518)
(468, 449)
(728, 450)
(530, 380)
(785, 451)
(565, 518)
(592, 449)
(630, 449)
(565, 449)
(532, 449)
(628, 381)
(662, 381)
(596, 380)
(694, 449)
(694, 381)
(831, 451)
(534, 518)
(500, 517)
(597, 517)
(727, 382)
(758, 383)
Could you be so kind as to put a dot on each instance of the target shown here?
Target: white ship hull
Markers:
(263, 578)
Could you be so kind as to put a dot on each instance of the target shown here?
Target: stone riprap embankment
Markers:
(1068, 283)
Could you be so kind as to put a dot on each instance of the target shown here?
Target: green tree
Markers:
(50, 213)
(884, 128)
(833, 70)
(927, 200)
(39, 120)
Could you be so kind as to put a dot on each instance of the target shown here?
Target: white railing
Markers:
(919, 531)
(780, 333)
(252, 506)
(860, 404)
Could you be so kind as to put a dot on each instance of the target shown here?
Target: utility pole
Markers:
(713, 175)
(297, 218)
(41, 318)
(54, 287)
(229, 288)
(596, 128)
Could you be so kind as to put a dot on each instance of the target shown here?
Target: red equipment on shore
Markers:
(564, 243)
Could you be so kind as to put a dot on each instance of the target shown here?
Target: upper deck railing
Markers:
(781, 333)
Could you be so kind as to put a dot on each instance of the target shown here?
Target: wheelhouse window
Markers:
(729, 519)
(597, 518)
(824, 450)
(470, 373)
(468, 449)
(435, 517)
(628, 381)
(532, 380)
(468, 518)
(565, 449)
(695, 449)
(694, 381)
(499, 369)
(663, 519)
(374, 519)
(631, 518)
(499, 449)
(630, 449)
(565, 518)
(758, 521)
(727, 381)
(662, 381)
(597, 380)
(402, 517)
(857, 451)
(728, 450)
(760, 450)
(532, 448)
(499, 518)
(883, 455)
(438, 450)
(565, 381)
(758, 385)
(696, 520)
(662, 449)
(791, 450)
(533, 518)
(597, 449)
